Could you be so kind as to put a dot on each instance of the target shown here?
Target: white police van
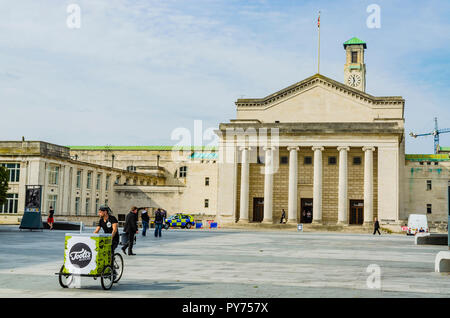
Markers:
(416, 222)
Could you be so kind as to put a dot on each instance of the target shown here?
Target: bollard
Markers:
(81, 227)
(300, 227)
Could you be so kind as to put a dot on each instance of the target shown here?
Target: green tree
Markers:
(3, 184)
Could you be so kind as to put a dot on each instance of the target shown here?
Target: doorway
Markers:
(306, 212)
(258, 209)
(356, 212)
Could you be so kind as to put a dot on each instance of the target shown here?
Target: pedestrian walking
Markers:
(131, 228)
(50, 219)
(159, 220)
(145, 221)
(283, 216)
(376, 227)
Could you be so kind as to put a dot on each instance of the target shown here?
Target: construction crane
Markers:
(436, 132)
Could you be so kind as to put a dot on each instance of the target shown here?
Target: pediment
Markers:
(318, 99)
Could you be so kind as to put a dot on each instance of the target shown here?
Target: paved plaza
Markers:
(232, 263)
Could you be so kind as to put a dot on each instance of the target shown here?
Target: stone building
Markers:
(190, 175)
(325, 152)
(426, 184)
(75, 189)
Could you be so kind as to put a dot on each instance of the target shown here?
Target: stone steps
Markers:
(306, 227)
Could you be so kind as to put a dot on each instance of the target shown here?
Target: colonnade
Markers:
(317, 184)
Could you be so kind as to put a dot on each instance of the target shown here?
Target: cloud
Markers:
(136, 70)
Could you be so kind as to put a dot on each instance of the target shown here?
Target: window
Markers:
(99, 181)
(97, 201)
(78, 179)
(429, 208)
(13, 171)
(429, 163)
(108, 177)
(206, 203)
(106, 202)
(12, 201)
(307, 161)
(53, 173)
(89, 180)
(131, 168)
(88, 205)
(332, 160)
(428, 185)
(354, 57)
(421, 163)
(207, 181)
(284, 160)
(77, 206)
(183, 172)
(52, 201)
(356, 161)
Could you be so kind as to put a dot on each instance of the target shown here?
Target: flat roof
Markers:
(427, 157)
(148, 148)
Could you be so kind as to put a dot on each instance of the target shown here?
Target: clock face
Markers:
(354, 80)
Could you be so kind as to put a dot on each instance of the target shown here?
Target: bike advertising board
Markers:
(86, 254)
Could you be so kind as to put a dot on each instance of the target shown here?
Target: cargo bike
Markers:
(89, 255)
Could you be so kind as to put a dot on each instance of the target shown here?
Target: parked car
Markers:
(180, 220)
(416, 222)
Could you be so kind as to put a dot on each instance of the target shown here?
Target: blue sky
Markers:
(137, 70)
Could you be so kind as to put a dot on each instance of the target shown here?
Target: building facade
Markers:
(322, 151)
(75, 189)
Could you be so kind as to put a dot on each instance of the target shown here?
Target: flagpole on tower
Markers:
(318, 58)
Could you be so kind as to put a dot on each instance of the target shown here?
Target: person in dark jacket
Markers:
(145, 221)
(159, 220)
(283, 217)
(131, 228)
(376, 227)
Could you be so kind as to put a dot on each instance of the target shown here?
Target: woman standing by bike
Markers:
(109, 224)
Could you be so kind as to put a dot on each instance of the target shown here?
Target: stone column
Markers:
(368, 185)
(317, 190)
(66, 190)
(343, 186)
(243, 212)
(268, 186)
(293, 181)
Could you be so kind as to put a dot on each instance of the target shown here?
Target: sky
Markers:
(137, 71)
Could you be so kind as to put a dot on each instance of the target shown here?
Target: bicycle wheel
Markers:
(118, 267)
(65, 280)
(107, 278)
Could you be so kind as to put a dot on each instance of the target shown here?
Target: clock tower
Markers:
(355, 69)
